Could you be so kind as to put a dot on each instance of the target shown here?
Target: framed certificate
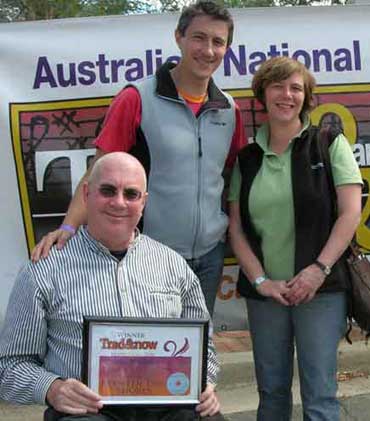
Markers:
(145, 361)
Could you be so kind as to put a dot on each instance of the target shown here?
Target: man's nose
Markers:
(208, 47)
(120, 200)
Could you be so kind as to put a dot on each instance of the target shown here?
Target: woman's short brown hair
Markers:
(277, 69)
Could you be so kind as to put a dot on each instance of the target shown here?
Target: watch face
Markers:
(327, 270)
(324, 268)
(259, 281)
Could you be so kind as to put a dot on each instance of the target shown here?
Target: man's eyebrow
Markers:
(200, 32)
(112, 186)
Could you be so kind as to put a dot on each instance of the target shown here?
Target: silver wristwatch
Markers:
(258, 281)
(324, 268)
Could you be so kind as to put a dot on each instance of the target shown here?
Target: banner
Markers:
(58, 78)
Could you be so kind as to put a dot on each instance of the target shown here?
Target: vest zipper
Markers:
(198, 212)
(200, 152)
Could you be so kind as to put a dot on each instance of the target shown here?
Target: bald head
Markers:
(115, 196)
(118, 161)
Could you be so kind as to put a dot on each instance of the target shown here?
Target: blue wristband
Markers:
(68, 228)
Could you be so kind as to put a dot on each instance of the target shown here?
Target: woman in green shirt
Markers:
(289, 241)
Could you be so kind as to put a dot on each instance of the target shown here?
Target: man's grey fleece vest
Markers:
(187, 156)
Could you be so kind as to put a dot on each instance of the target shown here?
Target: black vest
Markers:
(314, 207)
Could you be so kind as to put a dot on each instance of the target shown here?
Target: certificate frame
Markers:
(162, 361)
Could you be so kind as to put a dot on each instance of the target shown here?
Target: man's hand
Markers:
(303, 287)
(209, 404)
(41, 250)
(276, 290)
(73, 397)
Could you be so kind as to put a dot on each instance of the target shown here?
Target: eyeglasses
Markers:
(129, 193)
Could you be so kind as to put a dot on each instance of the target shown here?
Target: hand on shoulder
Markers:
(42, 248)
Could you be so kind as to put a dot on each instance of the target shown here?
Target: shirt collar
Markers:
(263, 135)
(166, 87)
(99, 247)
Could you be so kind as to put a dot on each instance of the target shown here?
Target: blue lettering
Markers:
(149, 62)
(357, 55)
(116, 64)
(88, 77)
(305, 55)
(284, 51)
(102, 63)
(137, 70)
(260, 58)
(273, 52)
(343, 62)
(44, 74)
(63, 82)
(158, 60)
(316, 54)
(240, 64)
(236, 61)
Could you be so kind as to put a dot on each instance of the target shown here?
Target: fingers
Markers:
(303, 287)
(36, 252)
(209, 403)
(73, 397)
(42, 249)
(291, 282)
(63, 237)
(281, 299)
(276, 290)
(298, 296)
(298, 291)
(48, 242)
(308, 298)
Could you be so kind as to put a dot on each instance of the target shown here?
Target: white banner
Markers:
(58, 77)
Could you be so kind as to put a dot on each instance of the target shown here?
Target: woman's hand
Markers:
(303, 287)
(276, 290)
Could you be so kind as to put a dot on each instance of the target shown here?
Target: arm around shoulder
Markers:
(76, 216)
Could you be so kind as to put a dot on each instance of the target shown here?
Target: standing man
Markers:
(184, 131)
(108, 269)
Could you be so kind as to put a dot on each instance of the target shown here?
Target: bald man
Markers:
(107, 269)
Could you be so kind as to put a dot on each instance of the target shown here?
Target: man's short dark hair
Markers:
(207, 8)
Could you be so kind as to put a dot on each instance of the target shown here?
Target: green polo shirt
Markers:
(271, 199)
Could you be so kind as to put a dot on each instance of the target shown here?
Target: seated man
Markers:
(107, 269)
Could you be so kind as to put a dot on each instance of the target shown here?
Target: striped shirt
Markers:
(42, 335)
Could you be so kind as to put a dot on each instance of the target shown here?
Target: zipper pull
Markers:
(200, 153)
